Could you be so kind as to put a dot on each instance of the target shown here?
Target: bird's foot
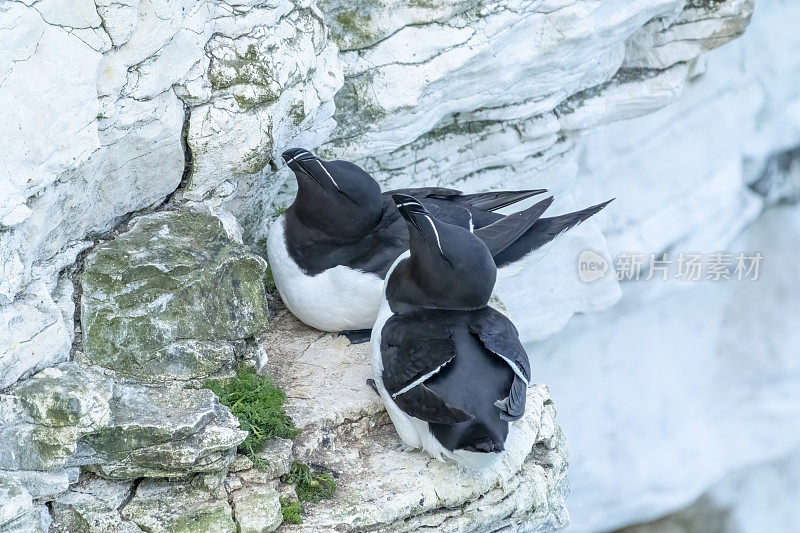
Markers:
(371, 383)
(357, 336)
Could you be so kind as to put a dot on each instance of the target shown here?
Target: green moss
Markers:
(269, 281)
(246, 69)
(357, 103)
(251, 54)
(247, 103)
(425, 4)
(357, 27)
(297, 113)
(310, 486)
(258, 404)
(216, 79)
(49, 448)
(257, 159)
(209, 521)
(291, 511)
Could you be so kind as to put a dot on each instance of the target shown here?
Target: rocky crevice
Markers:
(188, 158)
(131, 493)
(76, 270)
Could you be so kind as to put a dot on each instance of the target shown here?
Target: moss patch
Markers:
(297, 113)
(258, 404)
(168, 298)
(356, 30)
(278, 211)
(291, 511)
(310, 486)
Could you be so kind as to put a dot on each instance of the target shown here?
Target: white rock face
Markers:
(690, 366)
(19, 513)
(720, 389)
(761, 497)
(36, 335)
(100, 136)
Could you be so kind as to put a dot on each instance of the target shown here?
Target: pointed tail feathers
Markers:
(501, 234)
(543, 232)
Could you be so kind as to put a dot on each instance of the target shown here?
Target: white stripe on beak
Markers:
(438, 243)
(329, 174)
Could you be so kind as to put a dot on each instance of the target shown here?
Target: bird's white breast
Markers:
(414, 433)
(336, 299)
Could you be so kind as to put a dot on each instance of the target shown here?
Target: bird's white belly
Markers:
(337, 299)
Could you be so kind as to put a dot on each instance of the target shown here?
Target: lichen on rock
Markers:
(172, 298)
(257, 509)
(198, 506)
(71, 416)
(161, 432)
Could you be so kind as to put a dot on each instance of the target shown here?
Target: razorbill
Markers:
(330, 251)
(450, 369)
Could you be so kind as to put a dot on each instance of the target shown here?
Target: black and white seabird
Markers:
(330, 251)
(450, 369)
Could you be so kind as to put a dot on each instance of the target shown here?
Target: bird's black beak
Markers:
(294, 155)
(409, 207)
(417, 215)
(303, 162)
(299, 161)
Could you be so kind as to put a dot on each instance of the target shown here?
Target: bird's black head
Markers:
(449, 267)
(336, 198)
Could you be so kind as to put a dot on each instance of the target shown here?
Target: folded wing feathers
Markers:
(492, 201)
(423, 403)
(422, 379)
(501, 234)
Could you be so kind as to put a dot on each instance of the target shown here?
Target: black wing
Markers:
(501, 234)
(491, 201)
(426, 192)
(487, 201)
(413, 349)
(543, 231)
(499, 336)
(421, 402)
(450, 213)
